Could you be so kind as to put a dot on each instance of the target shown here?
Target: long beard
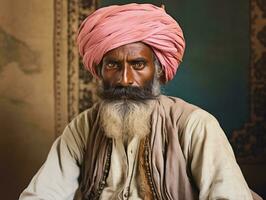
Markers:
(126, 111)
(126, 119)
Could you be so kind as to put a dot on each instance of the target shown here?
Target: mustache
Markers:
(127, 93)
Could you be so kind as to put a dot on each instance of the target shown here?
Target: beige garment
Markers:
(205, 147)
(122, 178)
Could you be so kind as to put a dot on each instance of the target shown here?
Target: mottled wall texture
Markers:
(26, 91)
(43, 84)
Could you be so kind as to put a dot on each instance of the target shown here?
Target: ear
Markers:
(161, 75)
(162, 78)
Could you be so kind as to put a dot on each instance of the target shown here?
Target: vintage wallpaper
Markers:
(43, 85)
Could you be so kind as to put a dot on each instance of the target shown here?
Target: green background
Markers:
(214, 73)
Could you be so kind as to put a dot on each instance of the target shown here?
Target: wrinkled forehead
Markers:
(132, 50)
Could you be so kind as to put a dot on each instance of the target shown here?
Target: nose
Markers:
(126, 76)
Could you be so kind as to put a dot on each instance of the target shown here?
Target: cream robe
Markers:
(207, 152)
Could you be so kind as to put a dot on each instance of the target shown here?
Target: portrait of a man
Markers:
(135, 142)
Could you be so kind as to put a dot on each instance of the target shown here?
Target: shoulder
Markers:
(80, 126)
(200, 131)
(200, 123)
(202, 127)
(201, 118)
(192, 112)
(190, 119)
(172, 100)
(175, 108)
(85, 118)
(169, 102)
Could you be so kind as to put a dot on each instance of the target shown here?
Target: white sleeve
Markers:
(57, 179)
(212, 162)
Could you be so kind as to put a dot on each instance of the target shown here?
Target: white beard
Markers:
(126, 119)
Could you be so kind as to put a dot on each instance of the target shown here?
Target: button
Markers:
(126, 194)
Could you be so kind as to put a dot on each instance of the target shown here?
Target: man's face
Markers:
(128, 65)
(128, 82)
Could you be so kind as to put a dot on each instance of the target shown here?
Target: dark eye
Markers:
(138, 65)
(111, 65)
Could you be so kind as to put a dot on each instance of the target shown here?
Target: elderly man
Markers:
(135, 143)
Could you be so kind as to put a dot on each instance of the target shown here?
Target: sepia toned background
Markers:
(43, 84)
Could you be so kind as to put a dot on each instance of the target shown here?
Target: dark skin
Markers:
(128, 65)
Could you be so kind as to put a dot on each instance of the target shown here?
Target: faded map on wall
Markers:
(26, 91)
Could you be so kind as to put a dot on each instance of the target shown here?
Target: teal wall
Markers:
(214, 73)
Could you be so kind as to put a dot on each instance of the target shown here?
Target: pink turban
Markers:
(111, 27)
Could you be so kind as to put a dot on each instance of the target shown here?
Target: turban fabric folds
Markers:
(114, 26)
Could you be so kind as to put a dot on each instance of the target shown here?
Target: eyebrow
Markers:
(111, 59)
(140, 59)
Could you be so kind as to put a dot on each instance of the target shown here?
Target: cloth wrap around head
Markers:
(114, 26)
